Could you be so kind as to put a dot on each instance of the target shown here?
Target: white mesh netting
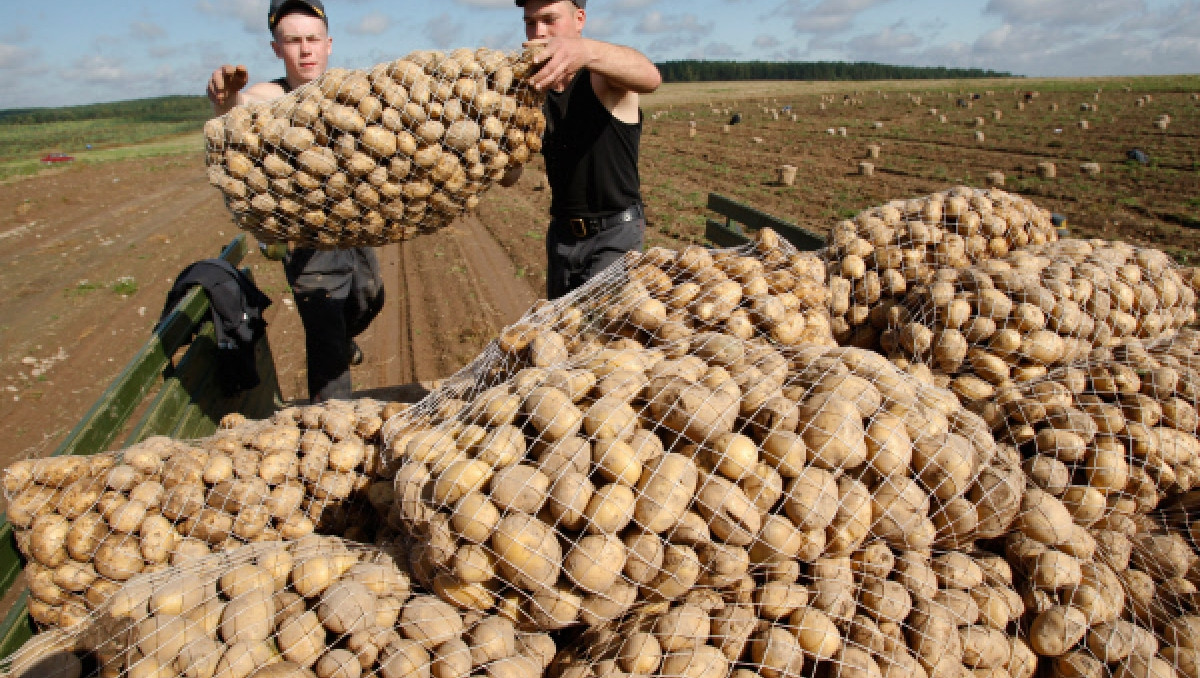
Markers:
(86, 524)
(675, 471)
(364, 158)
(312, 607)
(878, 256)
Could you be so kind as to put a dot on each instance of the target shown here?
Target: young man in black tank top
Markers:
(593, 133)
(338, 292)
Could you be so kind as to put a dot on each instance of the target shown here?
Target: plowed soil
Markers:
(88, 253)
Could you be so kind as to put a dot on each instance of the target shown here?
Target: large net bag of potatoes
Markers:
(364, 158)
(886, 250)
(590, 463)
(316, 607)
(1107, 440)
(899, 614)
(1012, 319)
(87, 524)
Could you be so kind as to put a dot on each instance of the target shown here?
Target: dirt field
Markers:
(89, 252)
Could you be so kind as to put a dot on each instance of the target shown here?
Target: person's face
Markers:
(303, 43)
(553, 19)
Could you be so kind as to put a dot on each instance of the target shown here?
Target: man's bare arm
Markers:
(624, 69)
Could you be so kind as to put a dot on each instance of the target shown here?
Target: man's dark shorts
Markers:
(573, 261)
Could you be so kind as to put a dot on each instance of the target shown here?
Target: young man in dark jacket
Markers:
(593, 133)
(338, 292)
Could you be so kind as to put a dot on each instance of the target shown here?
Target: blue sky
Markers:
(82, 51)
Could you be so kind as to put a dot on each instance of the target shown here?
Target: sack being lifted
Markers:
(364, 158)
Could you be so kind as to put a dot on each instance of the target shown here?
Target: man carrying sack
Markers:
(593, 133)
(338, 292)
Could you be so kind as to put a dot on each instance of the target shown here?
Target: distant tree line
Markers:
(705, 71)
(159, 109)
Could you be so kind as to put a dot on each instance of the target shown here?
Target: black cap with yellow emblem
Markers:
(280, 8)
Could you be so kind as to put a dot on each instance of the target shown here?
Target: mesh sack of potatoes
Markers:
(312, 608)
(877, 613)
(1011, 319)
(667, 300)
(86, 524)
(364, 158)
(573, 477)
(886, 250)
(1107, 440)
(1128, 610)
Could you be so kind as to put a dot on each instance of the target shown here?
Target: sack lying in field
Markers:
(86, 524)
(361, 158)
(1010, 319)
(317, 608)
(589, 461)
(886, 250)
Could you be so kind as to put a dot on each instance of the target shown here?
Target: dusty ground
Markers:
(88, 253)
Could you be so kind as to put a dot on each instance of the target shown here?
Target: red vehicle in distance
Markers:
(51, 158)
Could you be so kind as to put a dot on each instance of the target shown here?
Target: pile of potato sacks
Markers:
(677, 472)
(88, 524)
(317, 606)
(364, 158)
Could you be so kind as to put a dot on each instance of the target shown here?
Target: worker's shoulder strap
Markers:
(282, 82)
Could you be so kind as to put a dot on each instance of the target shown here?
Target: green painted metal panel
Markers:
(10, 557)
(17, 627)
(724, 236)
(755, 219)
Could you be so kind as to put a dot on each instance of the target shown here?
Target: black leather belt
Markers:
(586, 227)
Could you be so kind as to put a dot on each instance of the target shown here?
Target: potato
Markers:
(816, 633)
(347, 607)
(1056, 630)
(775, 651)
(664, 491)
(594, 563)
(527, 551)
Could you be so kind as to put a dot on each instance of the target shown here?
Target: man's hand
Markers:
(559, 62)
(224, 85)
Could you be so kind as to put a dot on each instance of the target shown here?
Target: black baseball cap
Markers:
(581, 4)
(279, 8)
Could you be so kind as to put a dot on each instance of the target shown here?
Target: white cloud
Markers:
(827, 16)
(443, 31)
(146, 30)
(718, 50)
(657, 22)
(13, 57)
(374, 23)
(1062, 13)
(601, 27)
(487, 4)
(766, 42)
(95, 69)
(251, 13)
(882, 45)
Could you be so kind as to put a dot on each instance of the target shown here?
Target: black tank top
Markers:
(591, 157)
(282, 82)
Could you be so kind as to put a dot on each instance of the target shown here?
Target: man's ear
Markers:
(580, 17)
(275, 48)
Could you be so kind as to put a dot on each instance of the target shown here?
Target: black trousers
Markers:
(573, 261)
(338, 293)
